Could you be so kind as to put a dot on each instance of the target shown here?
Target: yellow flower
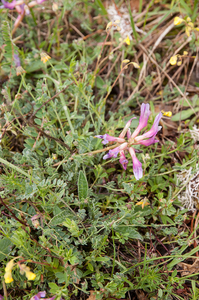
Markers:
(108, 25)
(8, 270)
(144, 202)
(167, 113)
(185, 52)
(173, 60)
(127, 41)
(135, 65)
(54, 156)
(30, 275)
(24, 269)
(178, 21)
(125, 61)
(55, 7)
(188, 28)
(187, 31)
(9, 265)
(8, 276)
(44, 57)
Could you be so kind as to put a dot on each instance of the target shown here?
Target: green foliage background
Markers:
(91, 234)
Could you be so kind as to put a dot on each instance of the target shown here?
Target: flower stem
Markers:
(87, 153)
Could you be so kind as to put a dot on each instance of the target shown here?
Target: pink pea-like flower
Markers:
(122, 146)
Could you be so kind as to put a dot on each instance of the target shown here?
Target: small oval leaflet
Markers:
(82, 186)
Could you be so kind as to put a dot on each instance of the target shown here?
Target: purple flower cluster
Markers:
(145, 139)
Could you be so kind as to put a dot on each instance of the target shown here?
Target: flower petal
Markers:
(124, 131)
(128, 134)
(178, 21)
(137, 166)
(127, 40)
(20, 9)
(9, 265)
(153, 131)
(173, 60)
(44, 57)
(145, 113)
(8, 277)
(8, 5)
(17, 60)
(123, 160)
(114, 152)
(149, 142)
(30, 275)
(39, 295)
(108, 138)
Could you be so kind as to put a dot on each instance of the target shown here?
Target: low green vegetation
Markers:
(75, 225)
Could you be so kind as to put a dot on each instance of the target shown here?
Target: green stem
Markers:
(25, 85)
(87, 153)
(114, 253)
(10, 165)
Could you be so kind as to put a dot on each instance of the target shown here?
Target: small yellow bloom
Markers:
(167, 113)
(125, 61)
(144, 202)
(8, 277)
(191, 25)
(44, 57)
(187, 31)
(188, 28)
(178, 21)
(55, 7)
(54, 156)
(127, 41)
(24, 269)
(108, 25)
(188, 19)
(10, 265)
(30, 275)
(135, 65)
(185, 53)
(179, 63)
(173, 60)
